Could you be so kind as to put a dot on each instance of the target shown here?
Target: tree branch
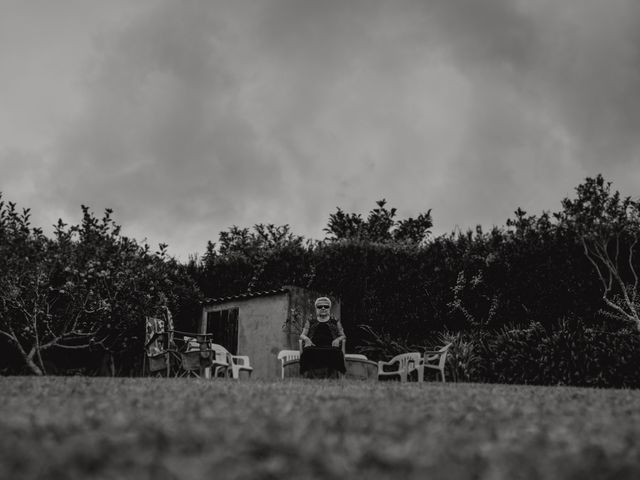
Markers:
(34, 321)
(587, 253)
(601, 254)
(73, 347)
(633, 270)
(75, 333)
(620, 310)
(617, 249)
(18, 344)
(51, 343)
(9, 336)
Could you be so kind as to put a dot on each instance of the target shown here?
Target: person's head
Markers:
(323, 308)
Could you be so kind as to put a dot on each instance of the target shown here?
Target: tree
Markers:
(380, 226)
(26, 299)
(247, 259)
(236, 240)
(45, 301)
(86, 288)
(609, 227)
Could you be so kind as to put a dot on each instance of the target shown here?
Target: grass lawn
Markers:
(75, 427)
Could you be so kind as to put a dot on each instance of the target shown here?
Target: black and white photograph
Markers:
(320, 239)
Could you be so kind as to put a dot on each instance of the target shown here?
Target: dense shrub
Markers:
(568, 354)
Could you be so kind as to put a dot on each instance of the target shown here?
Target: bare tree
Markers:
(609, 228)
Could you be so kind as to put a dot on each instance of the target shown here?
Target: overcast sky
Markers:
(187, 117)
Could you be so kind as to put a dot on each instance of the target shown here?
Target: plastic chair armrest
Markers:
(243, 360)
(381, 369)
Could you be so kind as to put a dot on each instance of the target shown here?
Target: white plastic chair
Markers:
(406, 362)
(286, 356)
(222, 362)
(230, 365)
(240, 363)
(434, 359)
(354, 356)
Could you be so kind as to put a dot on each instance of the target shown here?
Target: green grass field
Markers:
(83, 428)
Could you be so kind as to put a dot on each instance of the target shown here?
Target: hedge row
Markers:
(568, 354)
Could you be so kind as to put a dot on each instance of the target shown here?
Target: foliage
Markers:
(500, 292)
(294, 322)
(609, 228)
(382, 346)
(569, 354)
(25, 297)
(86, 288)
(471, 314)
(516, 355)
(464, 364)
(532, 269)
(246, 260)
(380, 226)
(263, 237)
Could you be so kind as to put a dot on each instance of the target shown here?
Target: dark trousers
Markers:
(315, 359)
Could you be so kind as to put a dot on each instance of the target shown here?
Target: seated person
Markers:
(321, 337)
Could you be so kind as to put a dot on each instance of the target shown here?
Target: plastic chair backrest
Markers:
(222, 354)
(241, 360)
(440, 355)
(443, 354)
(405, 358)
(414, 358)
(287, 355)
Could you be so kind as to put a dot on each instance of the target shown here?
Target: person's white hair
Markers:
(323, 301)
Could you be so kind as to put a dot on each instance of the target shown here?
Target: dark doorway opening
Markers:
(223, 325)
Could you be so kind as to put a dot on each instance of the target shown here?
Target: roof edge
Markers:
(248, 295)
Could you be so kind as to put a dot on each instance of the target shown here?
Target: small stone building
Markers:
(260, 324)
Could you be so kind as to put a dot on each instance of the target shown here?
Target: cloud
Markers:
(199, 115)
(163, 138)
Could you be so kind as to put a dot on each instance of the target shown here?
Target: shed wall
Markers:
(260, 332)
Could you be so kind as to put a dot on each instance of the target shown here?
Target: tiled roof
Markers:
(245, 296)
